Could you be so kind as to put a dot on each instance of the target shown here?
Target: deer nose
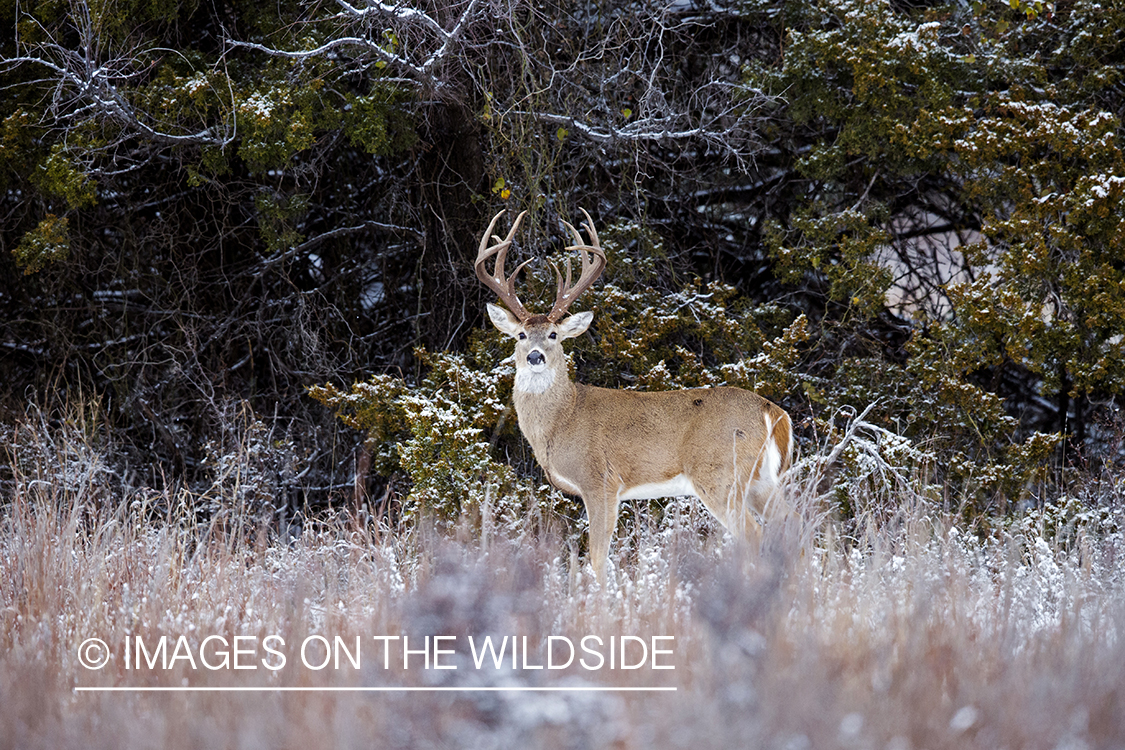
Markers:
(535, 358)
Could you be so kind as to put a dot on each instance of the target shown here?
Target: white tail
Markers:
(726, 446)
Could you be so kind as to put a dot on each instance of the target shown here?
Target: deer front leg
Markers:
(601, 511)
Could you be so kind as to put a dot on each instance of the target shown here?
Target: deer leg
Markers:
(601, 511)
(748, 526)
(728, 502)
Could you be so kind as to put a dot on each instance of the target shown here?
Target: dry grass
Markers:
(915, 635)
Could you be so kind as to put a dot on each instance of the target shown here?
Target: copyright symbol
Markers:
(93, 653)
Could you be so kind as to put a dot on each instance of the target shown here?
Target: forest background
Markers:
(219, 218)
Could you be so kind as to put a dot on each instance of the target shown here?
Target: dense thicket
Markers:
(209, 207)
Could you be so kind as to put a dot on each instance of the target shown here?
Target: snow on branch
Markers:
(386, 50)
(88, 80)
(623, 76)
(614, 78)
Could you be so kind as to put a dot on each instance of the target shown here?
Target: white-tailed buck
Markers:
(726, 446)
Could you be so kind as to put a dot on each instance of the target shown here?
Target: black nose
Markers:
(535, 358)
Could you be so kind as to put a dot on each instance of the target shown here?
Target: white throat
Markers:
(531, 379)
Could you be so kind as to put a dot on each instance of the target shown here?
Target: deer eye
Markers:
(553, 335)
(522, 335)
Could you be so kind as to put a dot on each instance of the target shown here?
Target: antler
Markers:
(505, 288)
(593, 263)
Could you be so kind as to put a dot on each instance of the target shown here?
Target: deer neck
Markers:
(542, 405)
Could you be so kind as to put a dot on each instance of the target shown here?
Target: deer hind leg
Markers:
(601, 512)
(720, 487)
(728, 503)
(737, 488)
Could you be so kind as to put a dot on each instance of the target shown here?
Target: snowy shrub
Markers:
(437, 433)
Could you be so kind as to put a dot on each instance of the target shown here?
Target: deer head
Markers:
(539, 359)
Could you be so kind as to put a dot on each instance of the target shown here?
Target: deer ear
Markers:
(575, 325)
(504, 320)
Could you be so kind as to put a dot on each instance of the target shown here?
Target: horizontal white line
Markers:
(330, 689)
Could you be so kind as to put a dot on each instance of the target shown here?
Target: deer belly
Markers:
(674, 487)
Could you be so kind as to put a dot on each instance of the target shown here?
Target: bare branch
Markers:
(88, 82)
(422, 72)
(633, 60)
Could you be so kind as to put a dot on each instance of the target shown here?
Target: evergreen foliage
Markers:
(838, 204)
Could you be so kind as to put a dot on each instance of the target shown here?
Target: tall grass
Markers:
(902, 632)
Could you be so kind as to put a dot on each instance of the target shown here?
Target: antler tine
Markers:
(593, 263)
(505, 287)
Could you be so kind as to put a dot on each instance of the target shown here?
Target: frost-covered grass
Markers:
(910, 633)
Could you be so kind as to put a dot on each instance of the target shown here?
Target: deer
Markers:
(726, 446)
